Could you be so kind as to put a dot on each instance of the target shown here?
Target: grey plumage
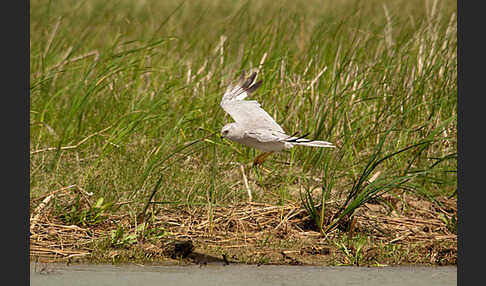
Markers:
(253, 126)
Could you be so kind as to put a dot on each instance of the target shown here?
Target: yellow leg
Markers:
(261, 158)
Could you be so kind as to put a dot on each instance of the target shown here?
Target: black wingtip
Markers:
(252, 77)
(241, 80)
(248, 81)
(254, 86)
(248, 85)
(299, 138)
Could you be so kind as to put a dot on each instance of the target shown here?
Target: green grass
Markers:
(125, 99)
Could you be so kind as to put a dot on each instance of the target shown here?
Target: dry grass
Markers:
(396, 233)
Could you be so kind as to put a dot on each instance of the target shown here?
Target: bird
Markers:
(253, 126)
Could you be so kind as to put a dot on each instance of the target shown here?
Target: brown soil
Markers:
(390, 231)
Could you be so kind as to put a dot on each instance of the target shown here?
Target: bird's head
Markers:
(229, 131)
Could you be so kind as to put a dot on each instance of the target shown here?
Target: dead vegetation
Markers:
(394, 230)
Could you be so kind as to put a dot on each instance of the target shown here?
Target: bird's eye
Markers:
(225, 132)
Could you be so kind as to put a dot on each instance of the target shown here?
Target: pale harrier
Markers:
(253, 126)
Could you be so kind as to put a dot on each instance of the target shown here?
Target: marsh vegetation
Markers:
(125, 152)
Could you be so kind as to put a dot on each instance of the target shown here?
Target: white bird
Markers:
(253, 126)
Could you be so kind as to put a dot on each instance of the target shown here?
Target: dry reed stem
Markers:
(72, 146)
(51, 37)
(245, 180)
(34, 219)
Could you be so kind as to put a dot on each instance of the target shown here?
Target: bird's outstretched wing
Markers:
(247, 113)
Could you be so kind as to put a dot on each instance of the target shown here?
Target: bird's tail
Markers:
(310, 143)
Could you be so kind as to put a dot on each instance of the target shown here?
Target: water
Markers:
(234, 275)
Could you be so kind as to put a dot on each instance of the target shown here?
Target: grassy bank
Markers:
(125, 118)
